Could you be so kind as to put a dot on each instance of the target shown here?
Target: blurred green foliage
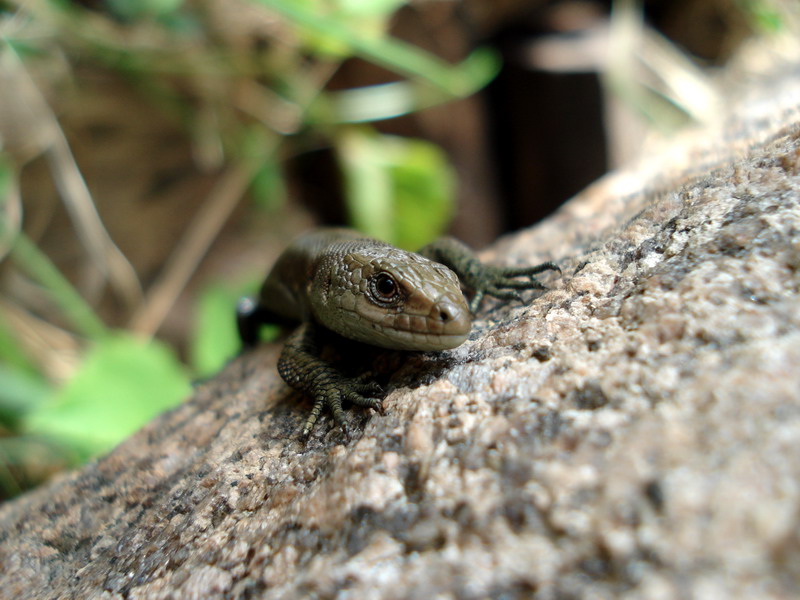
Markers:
(768, 16)
(397, 189)
(122, 383)
(139, 9)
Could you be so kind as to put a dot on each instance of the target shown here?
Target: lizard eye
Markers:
(384, 288)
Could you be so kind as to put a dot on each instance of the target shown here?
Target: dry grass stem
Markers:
(191, 249)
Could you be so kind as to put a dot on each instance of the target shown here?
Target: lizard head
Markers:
(393, 299)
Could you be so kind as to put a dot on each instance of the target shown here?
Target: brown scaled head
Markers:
(394, 299)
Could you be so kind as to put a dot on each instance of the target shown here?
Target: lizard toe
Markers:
(372, 389)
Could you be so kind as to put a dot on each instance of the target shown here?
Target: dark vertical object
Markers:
(548, 136)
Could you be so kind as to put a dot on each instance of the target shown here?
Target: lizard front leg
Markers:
(483, 279)
(301, 368)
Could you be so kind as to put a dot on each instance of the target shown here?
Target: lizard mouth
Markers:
(411, 340)
(446, 325)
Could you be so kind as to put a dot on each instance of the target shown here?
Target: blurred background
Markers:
(157, 155)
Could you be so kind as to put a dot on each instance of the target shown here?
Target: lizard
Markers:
(336, 279)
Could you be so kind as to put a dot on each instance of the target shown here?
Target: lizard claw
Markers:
(355, 392)
(369, 389)
(501, 282)
(346, 431)
(365, 401)
(312, 418)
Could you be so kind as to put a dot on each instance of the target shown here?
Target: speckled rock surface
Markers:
(632, 433)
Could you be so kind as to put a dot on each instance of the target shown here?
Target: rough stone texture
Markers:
(632, 433)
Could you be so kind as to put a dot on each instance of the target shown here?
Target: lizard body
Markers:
(369, 291)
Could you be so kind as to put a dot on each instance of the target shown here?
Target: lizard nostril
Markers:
(451, 318)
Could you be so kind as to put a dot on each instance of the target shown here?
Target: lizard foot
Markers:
(503, 282)
(356, 393)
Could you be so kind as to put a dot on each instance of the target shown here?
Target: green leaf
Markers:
(424, 190)
(121, 385)
(398, 189)
(368, 186)
(215, 339)
(268, 186)
(370, 8)
(41, 269)
(138, 9)
(20, 392)
(319, 22)
(9, 194)
(767, 16)
(257, 146)
(337, 32)
(11, 352)
(6, 176)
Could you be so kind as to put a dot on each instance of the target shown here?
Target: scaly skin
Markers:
(371, 292)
